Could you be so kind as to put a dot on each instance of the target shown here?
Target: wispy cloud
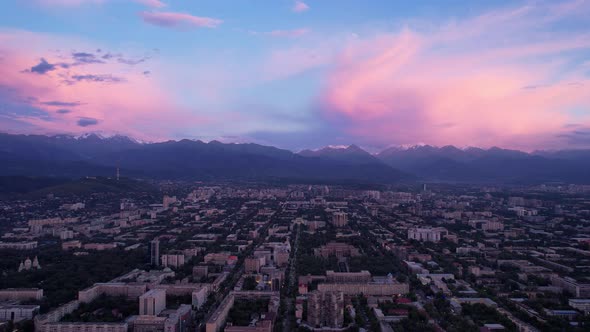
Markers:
(106, 78)
(176, 20)
(85, 58)
(294, 33)
(576, 137)
(61, 103)
(152, 3)
(132, 62)
(300, 6)
(68, 2)
(75, 3)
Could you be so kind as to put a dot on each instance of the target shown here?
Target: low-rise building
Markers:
(17, 312)
(427, 234)
(21, 294)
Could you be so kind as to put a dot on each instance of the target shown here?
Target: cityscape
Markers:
(294, 166)
(179, 256)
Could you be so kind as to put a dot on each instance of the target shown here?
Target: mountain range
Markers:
(68, 156)
(494, 165)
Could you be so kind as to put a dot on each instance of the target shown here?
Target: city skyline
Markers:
(300, 74)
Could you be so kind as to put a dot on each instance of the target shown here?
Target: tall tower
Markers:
(118, 173)
(155, 252)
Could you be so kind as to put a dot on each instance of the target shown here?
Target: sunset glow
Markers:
(300, 74)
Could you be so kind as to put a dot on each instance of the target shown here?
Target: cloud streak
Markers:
(294, 33)
(178, 20)
(151, 3)
(85, 58)
(300, 7)
(61, 103)
(105, 78)
(76, 3)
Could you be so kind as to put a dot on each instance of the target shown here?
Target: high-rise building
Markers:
(152, 302)
(339, 219)
(325, 309)
(155, 252)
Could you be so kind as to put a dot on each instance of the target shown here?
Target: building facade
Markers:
(155, 252)
(152, 302)
(427, 234)
(21, 294)
(339, 219)
(325, 309)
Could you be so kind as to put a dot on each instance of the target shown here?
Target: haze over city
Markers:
(300, 74)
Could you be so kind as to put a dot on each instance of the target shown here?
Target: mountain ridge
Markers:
(403, 147)
(63, 155)
(37, 155)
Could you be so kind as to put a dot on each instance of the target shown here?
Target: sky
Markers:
(300, 74)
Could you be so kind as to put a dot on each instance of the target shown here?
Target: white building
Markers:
(152, 302)
(16, 313)
(427, 234)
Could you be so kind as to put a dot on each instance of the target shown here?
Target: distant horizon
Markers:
(372, 151)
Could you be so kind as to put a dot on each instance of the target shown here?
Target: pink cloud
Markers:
(151, 3)
(300, 7)
(172, 19)
(446, 87)
(138, 105)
